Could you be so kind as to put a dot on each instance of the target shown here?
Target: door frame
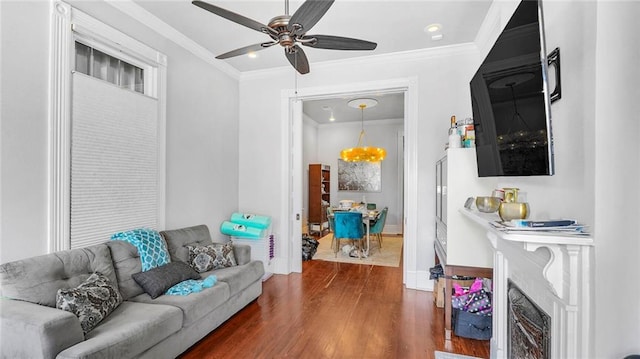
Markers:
(291, 154)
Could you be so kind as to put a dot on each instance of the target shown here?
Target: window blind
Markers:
(114, 161)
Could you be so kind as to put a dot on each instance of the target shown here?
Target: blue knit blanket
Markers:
(192, 286)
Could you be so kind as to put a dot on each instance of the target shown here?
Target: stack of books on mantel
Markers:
(551, 226)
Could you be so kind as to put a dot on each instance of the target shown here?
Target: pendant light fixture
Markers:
(362, 152)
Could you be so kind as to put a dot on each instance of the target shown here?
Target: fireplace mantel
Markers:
(557, 279)
(555, 243)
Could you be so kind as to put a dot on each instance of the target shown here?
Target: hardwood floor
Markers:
(336, 310)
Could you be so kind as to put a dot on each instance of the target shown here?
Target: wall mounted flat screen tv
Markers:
(510, 100)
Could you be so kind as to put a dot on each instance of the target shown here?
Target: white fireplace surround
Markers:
(554, 271)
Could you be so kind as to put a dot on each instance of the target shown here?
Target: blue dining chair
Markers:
(348, 225)
(376, 228)
(331, 223)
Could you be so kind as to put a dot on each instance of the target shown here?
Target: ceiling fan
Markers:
(290, 31)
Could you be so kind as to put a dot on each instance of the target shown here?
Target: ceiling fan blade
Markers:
(337, 43)
(229, 15)
(308, 14)
(298, 59)
(245, 50)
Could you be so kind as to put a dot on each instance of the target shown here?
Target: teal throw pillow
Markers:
(151, 246)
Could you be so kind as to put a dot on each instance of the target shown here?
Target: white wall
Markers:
(443, 90)
(595, 127)
(23, 128)
(202, 129)
(333, 138)
(572, 117)
(617, 163)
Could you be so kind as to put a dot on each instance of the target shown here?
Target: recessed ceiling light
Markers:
(332, 118)
(433, 28)
(252, 55)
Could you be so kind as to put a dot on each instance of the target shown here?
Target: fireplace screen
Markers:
(528, 327)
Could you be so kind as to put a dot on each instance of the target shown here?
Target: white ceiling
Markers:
(389, 107)
(396, 26)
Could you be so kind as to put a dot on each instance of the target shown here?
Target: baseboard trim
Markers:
(392, 229)
(423, 282)
(419, 280)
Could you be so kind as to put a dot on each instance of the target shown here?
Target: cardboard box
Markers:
(438, 292)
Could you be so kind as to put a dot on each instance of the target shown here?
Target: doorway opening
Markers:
(330, 125)
(292, 103)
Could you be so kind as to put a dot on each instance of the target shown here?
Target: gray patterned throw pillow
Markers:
(91, 301)
(213, 256)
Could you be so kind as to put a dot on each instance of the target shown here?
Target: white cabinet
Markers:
(460, 245)
(261, 250)
(459, 241)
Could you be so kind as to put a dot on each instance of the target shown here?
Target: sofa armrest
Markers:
(242, 253)
(30, 330)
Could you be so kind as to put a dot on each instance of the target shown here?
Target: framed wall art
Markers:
(359, 176)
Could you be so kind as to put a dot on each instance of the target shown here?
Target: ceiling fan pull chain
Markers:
(295, 73)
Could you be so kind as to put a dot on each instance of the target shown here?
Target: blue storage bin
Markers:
(472, 325)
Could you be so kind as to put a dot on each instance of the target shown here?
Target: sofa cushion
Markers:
(38, 279)
(151, 246)
(126, 262)
(46, 330)
(242, 253)
(157, 280)
(195, 305)
(239, 277)
(178, 240)
(212, 256)
(129, 331)
(91, 301)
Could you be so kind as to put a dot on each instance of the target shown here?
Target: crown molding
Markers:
(146, 18)
(381, 59)
(494, 22)
(489, 29)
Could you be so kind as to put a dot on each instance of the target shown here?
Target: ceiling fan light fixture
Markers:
(252, 55)
(363, 153)
(290, 31)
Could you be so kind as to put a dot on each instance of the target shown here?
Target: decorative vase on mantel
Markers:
(510, 208)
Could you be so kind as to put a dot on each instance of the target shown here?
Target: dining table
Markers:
(369, 217)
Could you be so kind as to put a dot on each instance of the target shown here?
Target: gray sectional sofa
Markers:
(140, 327)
